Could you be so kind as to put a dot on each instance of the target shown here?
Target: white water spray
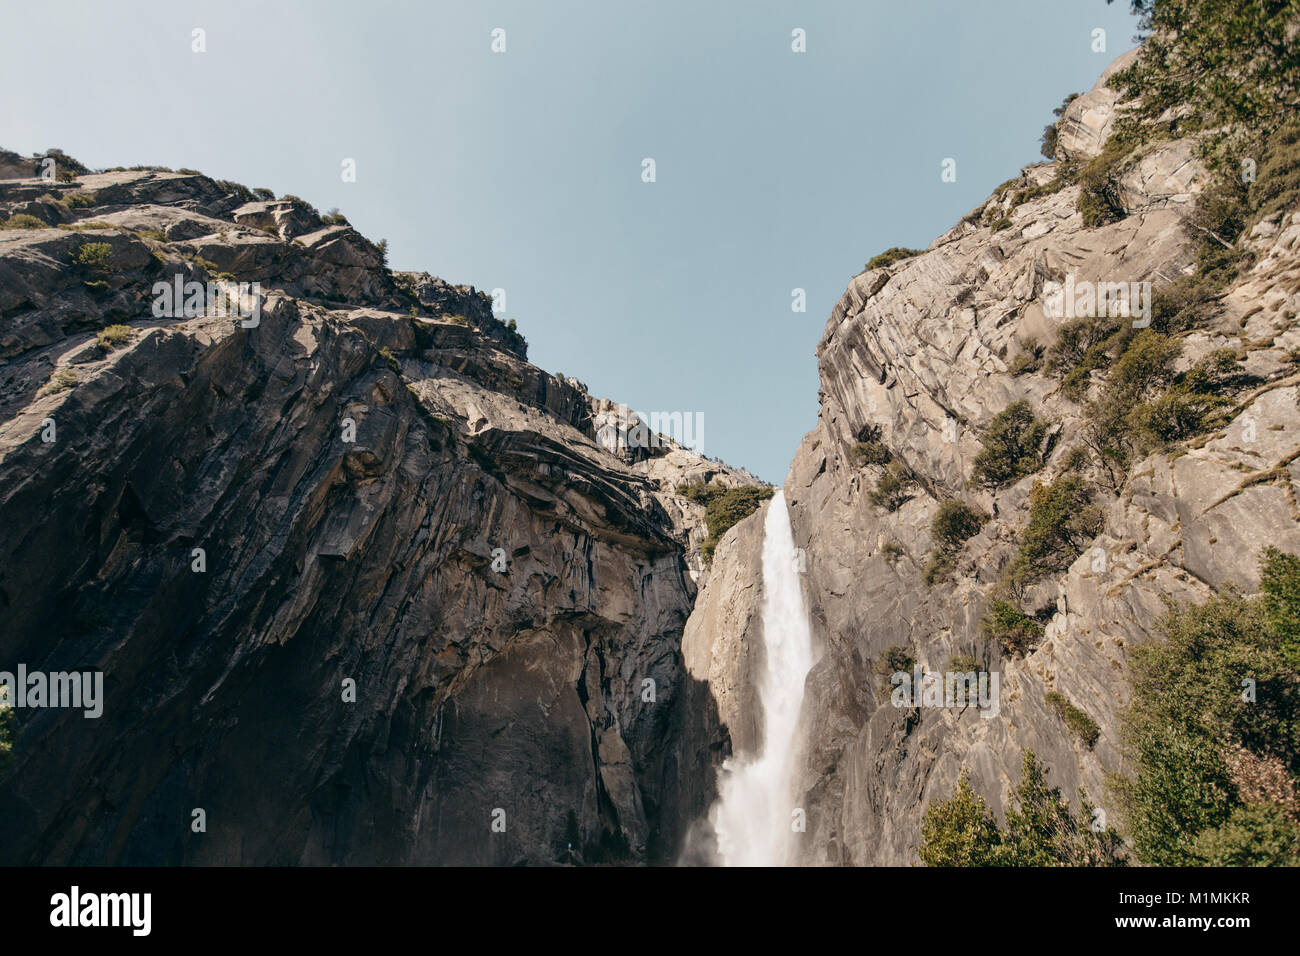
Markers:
(753, 815)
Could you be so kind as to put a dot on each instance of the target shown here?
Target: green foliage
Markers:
(896, 659)
(1099, 194)
(301, 205)
(1040, 829)
(890, 256)
(1012, 446)
(335, 218)
(1217, 768)
(1280, 582)
(964, 664)
(869, 453)
(1062, 519)
(264, 194)
(80, 199)
(1083, 726)
(1027, 360)
(1014, 630)
(893, 487)
(892, 550)
(960, 831)
(23, 221)
(723, 507)
(1217, 61)
(1277, 175)
(238, 190)
(60, 381)
(1146, 406)
(1002, 223)
(939, 568)
(94, 255)
(382, 248)
(1254, 834)
(112, 336)
(1048, 144)
(954, 522)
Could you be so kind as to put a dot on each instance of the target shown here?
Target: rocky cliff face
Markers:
(364, 585)
(921, 354)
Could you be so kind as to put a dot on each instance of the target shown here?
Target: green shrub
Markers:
(335, 218)
(892, 551)
(964, 664)
(1015, 631)
(80, 199)
(1099, 193)
(1217, 768)
(112, 336)
(869, 453)
(1040, 829)
(724, 507)
(1062, 520)
(1083, 726)
(301, 205)
(893, 487)
(939, 568)
(1047, 146)
(1012, 446)
(896, 659)
(1002, 223)
(94, 255)
(60, 381)
(960, 831)
(264, 194)
(890, 256)
(23, 221)
(954, 522)
(1082, 342)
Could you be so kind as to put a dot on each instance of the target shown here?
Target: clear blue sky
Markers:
(522, 170)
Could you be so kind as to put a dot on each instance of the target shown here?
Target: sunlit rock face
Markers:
(921, 355)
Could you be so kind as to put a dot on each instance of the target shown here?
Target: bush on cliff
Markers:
(890, 256)
(1012, 446)
(1062, 519)
(1040, 829)
(724, 507)
(1214, 730)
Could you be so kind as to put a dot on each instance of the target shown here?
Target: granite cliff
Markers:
(365, 585)
(919, 357)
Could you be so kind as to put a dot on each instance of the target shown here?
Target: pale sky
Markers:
(522, 170)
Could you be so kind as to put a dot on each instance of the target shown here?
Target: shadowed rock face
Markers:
(921, 353)
(500, 588)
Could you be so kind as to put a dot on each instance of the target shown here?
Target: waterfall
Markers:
(753, 814)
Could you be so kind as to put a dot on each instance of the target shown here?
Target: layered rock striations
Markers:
(918, 357)
(363, 583)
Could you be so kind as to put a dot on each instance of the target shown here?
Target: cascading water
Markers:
(753, 815)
